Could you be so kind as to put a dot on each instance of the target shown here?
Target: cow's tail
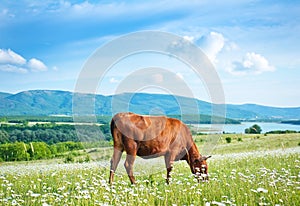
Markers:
(116, 135)
(112, 127)
(118, 149)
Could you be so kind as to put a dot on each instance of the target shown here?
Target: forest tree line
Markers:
(20, 151)
(21, 142)
(53, 133)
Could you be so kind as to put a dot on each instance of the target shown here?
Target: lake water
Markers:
(240, 128)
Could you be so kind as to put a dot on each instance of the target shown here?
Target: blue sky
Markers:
(254, 45)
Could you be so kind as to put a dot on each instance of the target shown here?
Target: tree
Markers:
(228, 139)
(39, 150)
(14, 151)
(4, 137)
(254, 129)
(3, 119)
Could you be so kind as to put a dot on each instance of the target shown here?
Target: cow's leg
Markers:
(129, 167)
(131, 149)
(114, 163)
(169, 160)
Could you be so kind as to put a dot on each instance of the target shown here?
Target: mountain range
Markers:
(52, 102)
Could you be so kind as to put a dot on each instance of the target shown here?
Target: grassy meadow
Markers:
(250, 170)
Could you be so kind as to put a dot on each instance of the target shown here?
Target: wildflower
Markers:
(61, 188)
(252, 190)
(86, 196)
(14, 202)
(68, 183)
(35, 195)
(272, 184)
(179, 182)
(195, 180)
(262, 190)
(218, 203)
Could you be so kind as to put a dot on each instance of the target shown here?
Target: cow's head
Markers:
(200, 168)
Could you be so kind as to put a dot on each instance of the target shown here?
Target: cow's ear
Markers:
(208, 157)
(205, 158)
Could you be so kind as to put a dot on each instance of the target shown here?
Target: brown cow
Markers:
(154, 136)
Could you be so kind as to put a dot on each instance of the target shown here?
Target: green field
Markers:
(250, 170)
(248, 142)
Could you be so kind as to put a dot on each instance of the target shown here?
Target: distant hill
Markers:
(3, 95)
(37, 102)
(254, 111)
(48, 102)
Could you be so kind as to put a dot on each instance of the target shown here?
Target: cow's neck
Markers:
(191, 156)
(193, 153)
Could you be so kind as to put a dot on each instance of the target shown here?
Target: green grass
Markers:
(248, 142)
(257, 178)
(252, 180)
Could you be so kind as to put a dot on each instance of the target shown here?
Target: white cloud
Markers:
(251, 64)
(212, 44)
(231, 46)
(113, 80)
(83, 8)
(36, 65)
(13, 69)
(189, 38)
(10, 61)
(10, 57)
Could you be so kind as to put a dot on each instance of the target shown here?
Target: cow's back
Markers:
(139, 127)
